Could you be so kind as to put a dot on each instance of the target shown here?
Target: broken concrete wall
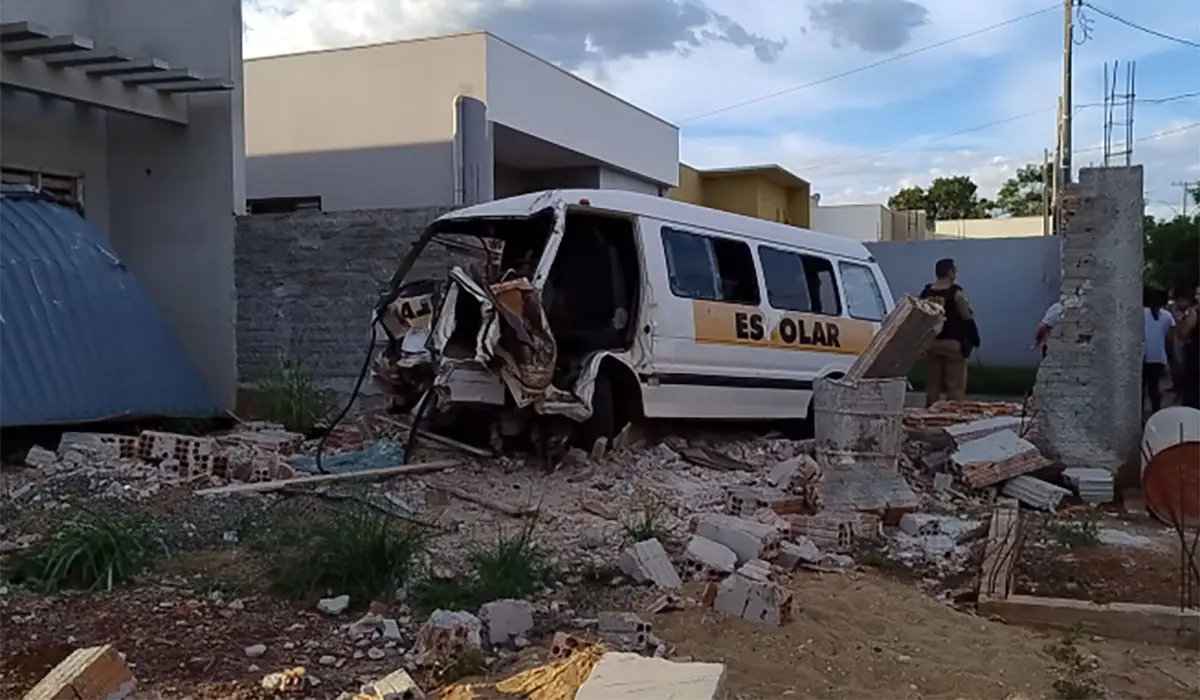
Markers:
(1088, 391)
(307, 283)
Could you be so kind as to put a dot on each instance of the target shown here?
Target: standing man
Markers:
(946, 358)
(1189, 333)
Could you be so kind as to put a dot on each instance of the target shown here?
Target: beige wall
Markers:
(691, 187)
(324, 122)
(1016, 227)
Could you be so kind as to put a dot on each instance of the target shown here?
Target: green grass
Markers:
(287, 393)
(1075, 671)
(987, 380)
(352, 550)
(1075, 534)
(648, 523)
(89, 552)
(512, 566)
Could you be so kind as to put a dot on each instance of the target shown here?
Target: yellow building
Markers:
(763, 191)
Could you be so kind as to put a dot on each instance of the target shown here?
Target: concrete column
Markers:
(1088, 391)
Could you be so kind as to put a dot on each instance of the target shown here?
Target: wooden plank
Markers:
(902, 339)
(94, 673)
(1135, 622)
(1000, 552)
(261, 486)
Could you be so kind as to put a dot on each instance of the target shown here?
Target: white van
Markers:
(605, 305)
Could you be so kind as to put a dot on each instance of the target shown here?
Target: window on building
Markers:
(710, 268)
(68, 187)
(864, 299)
(282, 205)
(797, 282)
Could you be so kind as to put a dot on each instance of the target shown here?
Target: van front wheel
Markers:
(603, 421)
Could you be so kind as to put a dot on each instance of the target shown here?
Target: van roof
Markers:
(669, 210)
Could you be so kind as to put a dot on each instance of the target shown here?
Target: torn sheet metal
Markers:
(465, 381)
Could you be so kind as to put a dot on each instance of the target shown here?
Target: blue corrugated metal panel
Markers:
(80, 339)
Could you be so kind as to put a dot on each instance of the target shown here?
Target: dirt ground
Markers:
(865, 636)
(1137, 561)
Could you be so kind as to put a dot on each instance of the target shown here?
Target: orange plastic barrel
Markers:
(1171, 465)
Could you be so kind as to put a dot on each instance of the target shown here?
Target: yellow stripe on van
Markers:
(719, 323)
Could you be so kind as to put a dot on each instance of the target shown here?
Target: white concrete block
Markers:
(802, 551)
(754, 600)
(506, 620)
(996, 447)
(397, 685)
(624, 676)
(965, 432)
(648, 561)
(748, 539)
(712, 555)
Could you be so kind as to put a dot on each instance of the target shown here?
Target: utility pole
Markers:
(1056, 184)
(1068, 45)
(1046, 187)
(1189, 186)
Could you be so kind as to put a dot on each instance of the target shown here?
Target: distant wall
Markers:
(307, 283)
(1009, 282)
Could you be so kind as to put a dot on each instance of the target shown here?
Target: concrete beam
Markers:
(76, 86)
(1134, 622)
(130, 67)
(18, 31)
(75, 59)
(162, 76)
(191, 86)
(66, 43)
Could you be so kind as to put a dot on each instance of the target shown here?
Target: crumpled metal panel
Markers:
(80, 340)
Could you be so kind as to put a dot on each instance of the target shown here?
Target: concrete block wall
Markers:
(1088, 391)
(307, 284)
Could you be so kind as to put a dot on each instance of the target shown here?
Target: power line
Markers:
(981, 127)
(1151, 137)
(1140, 28)
(869, 66)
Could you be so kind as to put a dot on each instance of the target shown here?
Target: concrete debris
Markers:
(747, 538)
(963, 433)
(625, 676)
(838, 531)
(996, 458)
(666, 603)
(943, 414)
(751, 595)
(446, 634)
(506, 620)
(564, 645)
(254, 651)
(803, 551)
(397, 685)
(626, 631)
(933, 540)
(94, 673)
(290, 680)
(365, 626)
(39, 457)
(1094, 485)
(334, 606)
(747, 500)
(902, 338)
(648, 562)
(705, 559)
(1035, 493)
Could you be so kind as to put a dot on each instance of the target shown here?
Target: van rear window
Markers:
(864, 300)
(797, 282)
(710, 268)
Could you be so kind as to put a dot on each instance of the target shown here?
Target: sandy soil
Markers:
(864, 636)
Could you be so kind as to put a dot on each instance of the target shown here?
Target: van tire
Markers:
(603, 421)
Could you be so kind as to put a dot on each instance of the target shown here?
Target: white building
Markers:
(869, 222)
(440, 121)
(133, 109)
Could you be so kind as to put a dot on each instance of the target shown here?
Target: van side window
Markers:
(798, 282)
(864, 300)
(710, 268)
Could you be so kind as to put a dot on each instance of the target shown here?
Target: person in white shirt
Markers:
(1157, 325)
(1049, 320)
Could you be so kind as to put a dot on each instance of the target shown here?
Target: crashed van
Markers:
(577, 311)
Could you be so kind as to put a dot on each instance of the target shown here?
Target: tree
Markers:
(1172, 248)
(908, 199)
(1023, 193)
(947, 198)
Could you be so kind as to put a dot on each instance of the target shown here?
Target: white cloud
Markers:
(725, 59)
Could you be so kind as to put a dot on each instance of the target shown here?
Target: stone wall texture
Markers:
(1088, 393)
(307, 284)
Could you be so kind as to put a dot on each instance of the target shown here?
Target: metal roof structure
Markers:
(80, 339)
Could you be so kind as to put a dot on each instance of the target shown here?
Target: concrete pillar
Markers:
(1088, 391)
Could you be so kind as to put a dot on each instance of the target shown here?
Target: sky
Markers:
(755, 81)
